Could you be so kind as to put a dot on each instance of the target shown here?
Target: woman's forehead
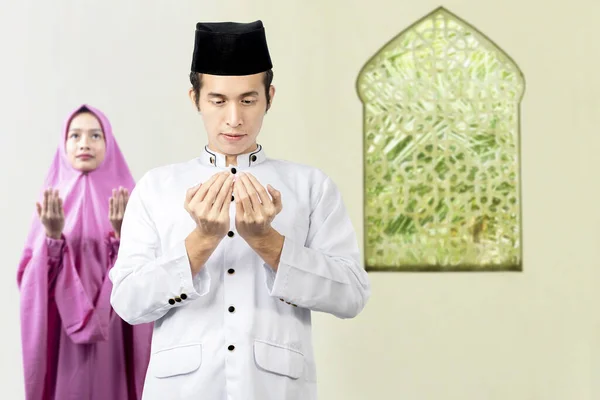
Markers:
(85, 120)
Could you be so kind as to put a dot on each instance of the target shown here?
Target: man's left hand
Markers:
(255, 210)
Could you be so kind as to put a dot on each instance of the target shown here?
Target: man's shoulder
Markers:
(167, 173)
(307, 180)
(302, 171)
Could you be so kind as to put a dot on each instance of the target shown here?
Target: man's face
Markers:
(232, 108)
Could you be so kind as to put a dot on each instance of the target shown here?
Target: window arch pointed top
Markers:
(441, 151)
(400, 54)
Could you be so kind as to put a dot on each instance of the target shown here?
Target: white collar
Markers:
(213, 159)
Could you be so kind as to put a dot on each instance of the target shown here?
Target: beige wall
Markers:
(496, 336)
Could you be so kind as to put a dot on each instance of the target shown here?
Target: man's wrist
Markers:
(199, 247)
(264, 239)
(268, 246)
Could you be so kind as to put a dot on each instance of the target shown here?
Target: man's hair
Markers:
(196, 81)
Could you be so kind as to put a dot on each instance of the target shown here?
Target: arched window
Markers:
(441, 151)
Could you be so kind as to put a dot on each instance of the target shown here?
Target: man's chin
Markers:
(235, 148)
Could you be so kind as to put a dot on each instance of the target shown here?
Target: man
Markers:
(230, 252)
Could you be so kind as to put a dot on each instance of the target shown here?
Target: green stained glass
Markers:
(442, 165)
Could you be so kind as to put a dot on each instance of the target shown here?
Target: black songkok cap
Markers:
(231, 48)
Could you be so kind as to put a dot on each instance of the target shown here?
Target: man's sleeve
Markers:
(146, 283)
(325, 274)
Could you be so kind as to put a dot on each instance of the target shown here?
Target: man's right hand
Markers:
(51, 213)
(208, 205)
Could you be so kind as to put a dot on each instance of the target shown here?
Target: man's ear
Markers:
(272, 95)
(192, 96)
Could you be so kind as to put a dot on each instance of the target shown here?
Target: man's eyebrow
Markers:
(252, 93)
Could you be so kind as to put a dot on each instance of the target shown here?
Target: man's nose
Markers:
(234, 116)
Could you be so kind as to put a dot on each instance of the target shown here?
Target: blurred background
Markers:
(532, 334)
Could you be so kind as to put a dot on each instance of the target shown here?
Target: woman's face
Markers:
(85, 144)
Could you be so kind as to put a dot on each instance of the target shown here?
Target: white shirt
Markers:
(237, 330)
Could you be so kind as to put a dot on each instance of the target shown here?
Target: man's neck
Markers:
(230, 160)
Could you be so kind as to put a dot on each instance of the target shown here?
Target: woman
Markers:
(74, 345)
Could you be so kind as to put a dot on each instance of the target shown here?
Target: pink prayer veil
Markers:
(86, 260)
(85, 195)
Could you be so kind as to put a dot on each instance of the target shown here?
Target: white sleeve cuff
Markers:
(189, 287)
(277, 282)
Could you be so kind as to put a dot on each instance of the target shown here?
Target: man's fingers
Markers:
(262, 193)
(252, 193)
(239, 207)
(224, 196)
(225, 207)
(191, 192)
(38, 208)
(203, 189)
(276, 195)
(209, 196)
(243, 197)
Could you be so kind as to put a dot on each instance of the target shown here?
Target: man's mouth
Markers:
(233, 136)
